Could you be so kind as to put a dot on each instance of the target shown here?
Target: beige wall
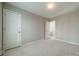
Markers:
(67, 27)
(0, 27)
(32, 25)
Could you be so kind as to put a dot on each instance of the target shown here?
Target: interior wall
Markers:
(32, 25)
(67, 27)
(0, 28)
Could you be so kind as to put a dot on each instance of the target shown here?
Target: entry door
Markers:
(12, 29)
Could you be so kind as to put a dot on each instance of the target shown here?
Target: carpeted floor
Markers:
(44, 48)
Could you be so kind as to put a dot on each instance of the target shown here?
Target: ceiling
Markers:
(40, 8)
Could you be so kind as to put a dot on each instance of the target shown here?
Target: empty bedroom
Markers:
(39, 28)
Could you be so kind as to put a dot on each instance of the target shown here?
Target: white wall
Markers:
(0, 27)
(32, 25)
(67, 27)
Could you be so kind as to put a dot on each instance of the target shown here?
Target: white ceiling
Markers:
(40, 8)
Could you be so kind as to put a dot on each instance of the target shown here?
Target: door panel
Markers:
(47, 29)
(12, 29)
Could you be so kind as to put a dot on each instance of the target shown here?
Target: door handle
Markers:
(19, 31)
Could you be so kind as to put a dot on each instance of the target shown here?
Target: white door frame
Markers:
(4, 10)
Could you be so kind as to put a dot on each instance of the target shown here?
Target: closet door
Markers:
(12, 29)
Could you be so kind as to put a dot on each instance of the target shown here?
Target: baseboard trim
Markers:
(67, 42)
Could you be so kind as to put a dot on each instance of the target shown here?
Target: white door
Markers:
(12, 29)
(47, 29)
(50, 29)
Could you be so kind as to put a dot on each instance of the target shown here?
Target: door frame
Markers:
(3, 25)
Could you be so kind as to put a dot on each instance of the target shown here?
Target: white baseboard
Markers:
(73, 43)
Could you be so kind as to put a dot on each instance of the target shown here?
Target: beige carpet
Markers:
(44, 48)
